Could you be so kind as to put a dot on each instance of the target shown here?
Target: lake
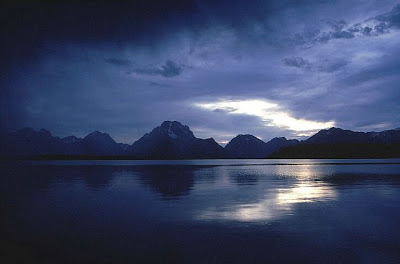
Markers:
(200, 211)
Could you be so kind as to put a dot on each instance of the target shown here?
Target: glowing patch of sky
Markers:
(269, 112)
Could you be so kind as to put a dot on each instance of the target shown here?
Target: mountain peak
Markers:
(278, 139)
(337, 136)
(329, 131)
(174, 129)
(246, 137)
(245, 146)
(98, 136)
(170, 123)
(98, 143)
(173, 140)
(45, 132)
(96, 132)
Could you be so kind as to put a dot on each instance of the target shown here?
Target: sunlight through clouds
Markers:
(270, 113)
(274, 205)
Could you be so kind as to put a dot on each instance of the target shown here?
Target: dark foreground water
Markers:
(218, 211)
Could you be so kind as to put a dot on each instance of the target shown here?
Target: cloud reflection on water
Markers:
(305, 192)
(277, 202)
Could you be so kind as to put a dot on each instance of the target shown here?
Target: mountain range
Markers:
(172, 140)
(338, 143)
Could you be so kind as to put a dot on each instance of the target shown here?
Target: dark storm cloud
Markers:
(324, 66)
(386, 67)
(316, 36)
(342, 34)
(68, 64)
(391, 19)
(366, 87)
(384, 22)
(34, 28)
(297, 62)
(31, 25)
(372, 26)
(169, 69)
(330, 67)
(337, 25)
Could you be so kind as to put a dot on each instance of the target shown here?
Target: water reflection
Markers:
(305, 192)
(245, 178)
(281, 192)
(302, 213)
(274, 204)
(96, 177)
(170, 181)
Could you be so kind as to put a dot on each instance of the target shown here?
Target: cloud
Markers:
(308, 37)
(342, 34)
(390, 19)
(269, 112)
(383, 23)
(297, 62)
(119, 62)
(330, 67)
(381, 28)
(367, 30)
(372, 26)
(168, 69)
(324, 66)
(337, 25)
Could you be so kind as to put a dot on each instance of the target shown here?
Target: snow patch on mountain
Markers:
(171, 133)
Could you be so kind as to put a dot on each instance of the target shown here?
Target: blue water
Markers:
(201, 211)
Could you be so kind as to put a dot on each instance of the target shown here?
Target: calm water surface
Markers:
(200, 211)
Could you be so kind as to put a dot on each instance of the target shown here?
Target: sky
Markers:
(267, 68)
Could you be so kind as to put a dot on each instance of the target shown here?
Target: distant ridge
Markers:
(173, 140)
(250, 147)
(339, 143)
(339, 136)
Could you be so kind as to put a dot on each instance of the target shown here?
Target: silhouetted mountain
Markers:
(98, 144)
(28, 142)
(250, 147)
(123, 146)
(72, 145)
(340, 136)
(337, 136)
(387, 136)
(172, 140)
(339, 151)
(246, 147)
(71, 139)
(277, 143)
(339, 143)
